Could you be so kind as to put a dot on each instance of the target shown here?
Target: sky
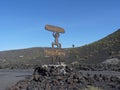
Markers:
(22, 22)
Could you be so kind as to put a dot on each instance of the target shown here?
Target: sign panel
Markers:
(54, 28)
(54, 52)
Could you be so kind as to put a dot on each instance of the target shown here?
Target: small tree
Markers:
(73, 45)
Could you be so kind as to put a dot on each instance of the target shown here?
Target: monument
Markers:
(56, 52)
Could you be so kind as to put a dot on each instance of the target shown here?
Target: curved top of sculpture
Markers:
(54, 28)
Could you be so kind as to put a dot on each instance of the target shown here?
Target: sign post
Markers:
(53, 52)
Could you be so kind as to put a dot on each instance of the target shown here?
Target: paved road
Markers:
(10, 77)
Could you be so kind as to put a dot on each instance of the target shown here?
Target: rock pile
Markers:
(55, 78)
(65, 78)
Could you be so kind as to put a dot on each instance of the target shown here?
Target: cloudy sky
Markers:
(22, 22)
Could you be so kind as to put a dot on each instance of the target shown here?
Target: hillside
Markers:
(108, 47)
(24, 57)
(21, 57)
(96, 52)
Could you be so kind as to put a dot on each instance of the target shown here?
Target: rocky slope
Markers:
(96, 52)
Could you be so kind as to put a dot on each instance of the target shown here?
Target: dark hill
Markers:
(108, 47)
(29, 56)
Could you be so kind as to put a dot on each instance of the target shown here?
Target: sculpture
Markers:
(56, 33)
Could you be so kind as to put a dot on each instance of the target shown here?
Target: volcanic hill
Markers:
(96, 52)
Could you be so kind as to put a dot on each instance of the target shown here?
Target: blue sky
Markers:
(22, 22)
